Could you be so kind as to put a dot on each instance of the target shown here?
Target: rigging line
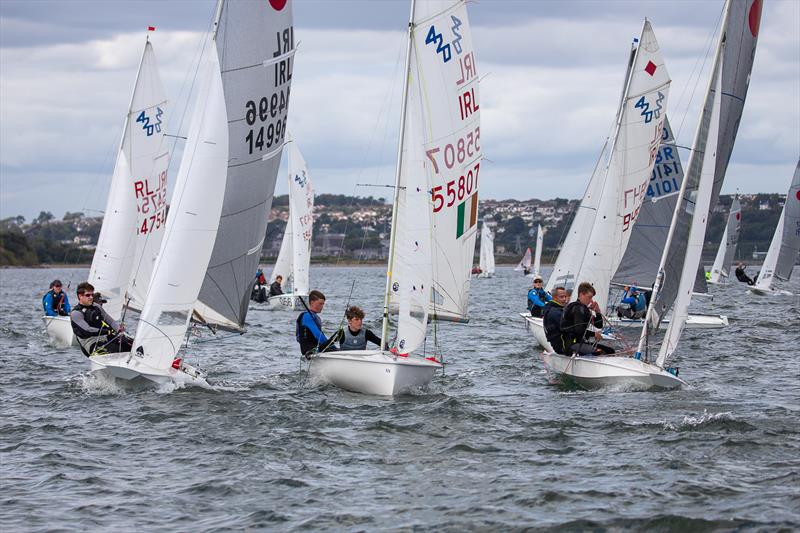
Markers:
(705, 59)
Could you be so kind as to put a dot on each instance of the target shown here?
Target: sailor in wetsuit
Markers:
(633, 304)
(308, 327)
(276, 289)
(742, 276)
(537, 298)
(354, 336)
(575, 324)
(551, 319)
(96, 331)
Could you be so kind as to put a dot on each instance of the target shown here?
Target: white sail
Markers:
(191, 226)
(632, 155)
(537, 262)
(705, 147)
(301, 213)
(525, 263)
(435, 222)
(785, 245)
(283, 264)
(727, 247)
(135, 213)
(487, 250)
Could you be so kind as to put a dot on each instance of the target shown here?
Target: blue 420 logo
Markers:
(145, 120)
(647, 113)
(442, 47)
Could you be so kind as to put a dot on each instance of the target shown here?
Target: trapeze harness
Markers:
(86, 339)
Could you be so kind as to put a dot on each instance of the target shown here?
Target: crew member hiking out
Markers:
(96, 331)
(742, 276)
(537, 298)
(551, 319)
(308, 327)
(55, 301)
(575, 324)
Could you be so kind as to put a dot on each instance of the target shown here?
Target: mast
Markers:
(393, 231)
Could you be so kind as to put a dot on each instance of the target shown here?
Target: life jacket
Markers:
(303, 335)
(88, 340)
(354, 342)
(541, 293)
(58, 301)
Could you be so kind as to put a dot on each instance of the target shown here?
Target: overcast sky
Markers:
(552, 72)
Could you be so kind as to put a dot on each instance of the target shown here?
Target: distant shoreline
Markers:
(326, 264)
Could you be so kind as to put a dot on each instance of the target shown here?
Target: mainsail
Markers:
(640, 263)
(217, 142)
(727, 247)
(135, 214)
(785, 244)
(632, 155)
(436, 201)
(301, 207)
(487, 250)
(255, 44)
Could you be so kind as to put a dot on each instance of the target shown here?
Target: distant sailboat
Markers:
(294, 257)
(434, 214)
(487, 252)
(223, 192)
(524, 265)
(727, 247)
(785, 245)
(537, 261)
(136, 209)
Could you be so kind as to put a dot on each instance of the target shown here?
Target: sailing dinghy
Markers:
(136, 209)
(294, 257)
(223, 193)
(487, 252)
(634, 145)
(524, 265)
(785, 245)
(434, 214)
(727, 248)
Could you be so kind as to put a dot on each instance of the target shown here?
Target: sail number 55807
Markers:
(465, 148)
(456, 190)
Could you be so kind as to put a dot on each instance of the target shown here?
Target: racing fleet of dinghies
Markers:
(721, 270)
(294, 257)
(641, 222)
(785, 245)
(223, 192)
(136, 209)
(434, 215)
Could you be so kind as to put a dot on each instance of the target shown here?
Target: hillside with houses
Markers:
(356, 229)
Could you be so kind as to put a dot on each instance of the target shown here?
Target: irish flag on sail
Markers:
(467, 215)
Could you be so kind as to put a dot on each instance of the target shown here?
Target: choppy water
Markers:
(489, 445)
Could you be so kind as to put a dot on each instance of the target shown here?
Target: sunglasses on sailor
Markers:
(86, 295)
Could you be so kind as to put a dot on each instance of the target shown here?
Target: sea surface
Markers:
(489, 445)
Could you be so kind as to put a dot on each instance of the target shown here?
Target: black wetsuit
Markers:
(575, 330)
(551, 319)
(97, 332)
(743, 277)
(275, 289)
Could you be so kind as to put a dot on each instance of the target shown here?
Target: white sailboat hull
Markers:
(486, 275)
(129, 369)
(692, 322)
(768, 292)
(373, 371)
(287, 301)
(59, 331)
(608, 372)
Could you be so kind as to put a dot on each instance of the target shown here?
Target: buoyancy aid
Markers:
(87, 339)
(354, 342)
